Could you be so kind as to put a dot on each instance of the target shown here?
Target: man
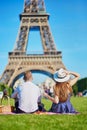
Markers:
(28, 95)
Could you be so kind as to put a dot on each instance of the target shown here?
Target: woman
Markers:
(63, 91)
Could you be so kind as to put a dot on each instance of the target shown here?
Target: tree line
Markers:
(80, 86)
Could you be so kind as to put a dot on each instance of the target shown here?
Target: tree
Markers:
(75, 89)
(6, 88)
(82, 84)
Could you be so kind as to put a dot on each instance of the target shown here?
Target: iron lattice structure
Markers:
(34, 16)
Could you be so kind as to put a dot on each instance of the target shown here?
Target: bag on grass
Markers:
(7, 107)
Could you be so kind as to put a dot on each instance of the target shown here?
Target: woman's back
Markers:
(62, 90)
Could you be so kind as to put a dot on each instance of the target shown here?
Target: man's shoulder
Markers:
(33, 85)
(28, 83)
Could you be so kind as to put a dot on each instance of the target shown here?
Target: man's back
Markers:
(28, 97)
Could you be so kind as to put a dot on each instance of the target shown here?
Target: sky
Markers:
(68, 23)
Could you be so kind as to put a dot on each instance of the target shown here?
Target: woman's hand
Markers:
(53, 99)
(67, 72)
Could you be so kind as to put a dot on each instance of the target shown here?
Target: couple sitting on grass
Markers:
(29, 96)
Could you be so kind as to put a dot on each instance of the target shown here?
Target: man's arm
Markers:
(14, 94)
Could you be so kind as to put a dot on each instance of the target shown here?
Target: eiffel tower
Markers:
(34, 16)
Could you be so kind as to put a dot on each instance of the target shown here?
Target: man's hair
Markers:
(27, 75)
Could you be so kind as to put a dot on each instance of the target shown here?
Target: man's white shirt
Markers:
(28, 94)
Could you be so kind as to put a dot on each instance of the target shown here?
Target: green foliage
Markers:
(80, 86)
(5, 87)
(2, 87)
(75, 89)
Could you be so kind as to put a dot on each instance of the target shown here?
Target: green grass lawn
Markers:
(48, 122)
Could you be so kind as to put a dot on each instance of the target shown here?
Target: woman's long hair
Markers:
(62, 90)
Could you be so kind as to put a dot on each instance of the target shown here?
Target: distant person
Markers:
(28, 95)
(63, 91)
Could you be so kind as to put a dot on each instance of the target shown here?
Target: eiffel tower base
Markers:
(18, 64)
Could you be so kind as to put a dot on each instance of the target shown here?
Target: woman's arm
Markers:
(54, 100)
(75, 79)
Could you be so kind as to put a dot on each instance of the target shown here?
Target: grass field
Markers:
(48, 122)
